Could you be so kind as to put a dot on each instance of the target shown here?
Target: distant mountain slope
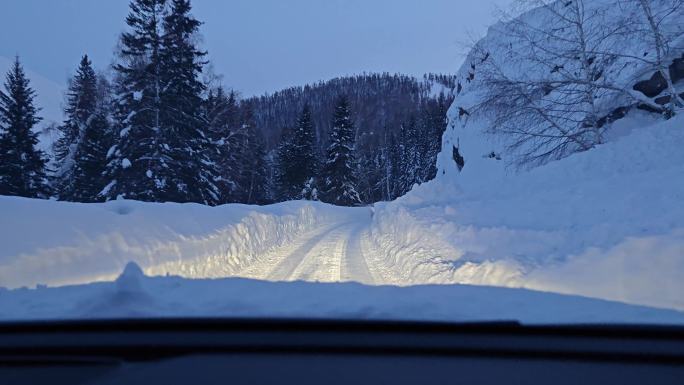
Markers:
(380, 102)
(398, 121)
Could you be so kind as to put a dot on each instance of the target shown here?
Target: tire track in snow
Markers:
(323, 262)
(285, 270)
(354, 265)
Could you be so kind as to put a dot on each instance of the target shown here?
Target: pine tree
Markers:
(393, 168)
(410, 162)
(253, 181)
(222, 116)
(283, 159)
(163, 151)
(340, 186)
(185, 131)
(137, 165)
(90, 161)
(300, 165)
(81, 103)
(22, 165)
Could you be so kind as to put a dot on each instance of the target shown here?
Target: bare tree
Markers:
(545, 86)
(659, 22)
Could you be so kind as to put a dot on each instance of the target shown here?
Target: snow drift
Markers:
(133, 294)
(606, 223)
(57, 243)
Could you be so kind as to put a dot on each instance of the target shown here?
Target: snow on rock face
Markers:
(606, 223)
(487, 156)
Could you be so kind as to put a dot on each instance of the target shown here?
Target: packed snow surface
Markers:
(133, 294)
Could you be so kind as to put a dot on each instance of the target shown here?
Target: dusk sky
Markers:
(261, 45)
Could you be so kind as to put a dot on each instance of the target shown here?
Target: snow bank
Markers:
(57, 243)
(606, 223)
(136, 295)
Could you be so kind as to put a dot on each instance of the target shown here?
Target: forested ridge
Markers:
(156, 130)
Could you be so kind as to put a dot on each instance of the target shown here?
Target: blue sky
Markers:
(261, 45)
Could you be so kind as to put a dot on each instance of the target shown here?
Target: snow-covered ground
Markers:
(606, 223)
(57, 243)
(135, 295)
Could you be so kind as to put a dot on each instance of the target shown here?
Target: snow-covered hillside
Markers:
(542, 55)
(607, 222)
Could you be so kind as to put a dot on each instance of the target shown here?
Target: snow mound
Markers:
(130, 278)
(235, 297)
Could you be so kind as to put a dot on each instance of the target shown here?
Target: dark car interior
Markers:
(246, 351)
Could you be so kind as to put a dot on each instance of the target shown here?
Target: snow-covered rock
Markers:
(487, 156)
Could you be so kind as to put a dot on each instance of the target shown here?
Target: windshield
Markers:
(515, 160)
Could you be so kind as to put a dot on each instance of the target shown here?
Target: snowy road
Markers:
(331, 253)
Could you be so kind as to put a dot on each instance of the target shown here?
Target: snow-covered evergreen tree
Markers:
(184, 129)
(90, 160)
(80, 108)
(299, 166)
(410, 161)
(22, 165)
(137, 165)
(162, 153)
(383, 103)
(340, 183)
(253, 176)
(284, 155)
(222, 116)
